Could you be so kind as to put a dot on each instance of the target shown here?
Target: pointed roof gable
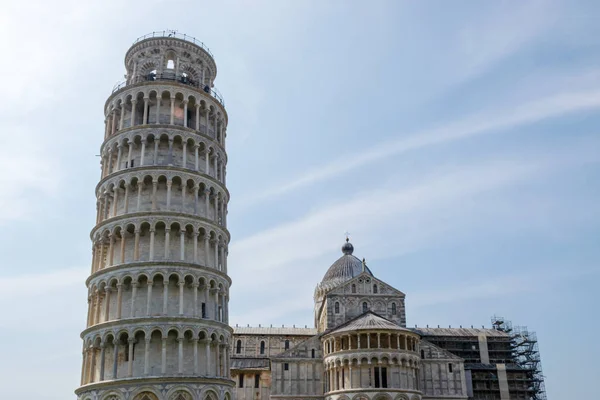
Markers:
(340, 288)
(368, 321)
(433, 352)
(300, 350)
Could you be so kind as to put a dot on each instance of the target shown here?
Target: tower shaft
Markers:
(158, 291)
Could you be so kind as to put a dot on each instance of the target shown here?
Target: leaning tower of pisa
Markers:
(158, 290)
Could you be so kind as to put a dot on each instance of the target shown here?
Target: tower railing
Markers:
(171, 77)
(174, 34)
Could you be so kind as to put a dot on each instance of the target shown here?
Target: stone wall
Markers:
(353, 295)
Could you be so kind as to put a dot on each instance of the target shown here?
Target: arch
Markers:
(365, 307)
(353, 288)
(146, 395)
(112, 396)
(190, 71)
(238, 347)
(147, 69)
(170, 57)
(262, 347)
(337, 307)
(382, 396)
(394, 310)
(210, 395)
(180, 393)
(375, 290)
(287, 344)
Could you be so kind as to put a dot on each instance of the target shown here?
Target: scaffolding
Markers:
(526, 357)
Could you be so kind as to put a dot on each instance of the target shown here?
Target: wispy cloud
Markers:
(521, 114)
(499, 286)
(368, 210)
(40, 68)
(443, 207)
(499, 35)
(40, 283)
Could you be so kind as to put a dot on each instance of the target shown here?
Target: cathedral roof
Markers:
(265, 330)
(464, 332)
(368, 321)
(344, 268)
(245, 363)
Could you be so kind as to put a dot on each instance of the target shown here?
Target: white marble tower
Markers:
(158, 292)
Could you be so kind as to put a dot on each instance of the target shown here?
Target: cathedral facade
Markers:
(360, 348)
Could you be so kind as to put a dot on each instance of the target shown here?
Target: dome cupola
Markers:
(345, 268)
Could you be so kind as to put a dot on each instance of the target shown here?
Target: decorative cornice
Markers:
(161, 86)
(160, 170)
(153, 322)
(156, 216)
(139, 265)
(155, 128)
(119, 383)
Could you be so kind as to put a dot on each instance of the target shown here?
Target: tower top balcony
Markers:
(171, 56)
(173, 34)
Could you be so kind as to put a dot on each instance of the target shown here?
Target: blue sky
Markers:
(457, 142)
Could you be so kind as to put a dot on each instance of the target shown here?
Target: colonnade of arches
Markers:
(371, 340)
(145, 192)
(166, 105)
(376, 396)
(147, 240)
(157, 294)
(164, 148)
(180, 392)
(366, 371)
(155, 351)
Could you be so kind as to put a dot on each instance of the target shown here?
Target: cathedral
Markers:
(361, 348)
(157, 325)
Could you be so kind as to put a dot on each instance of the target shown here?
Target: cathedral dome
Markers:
(344, 268)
